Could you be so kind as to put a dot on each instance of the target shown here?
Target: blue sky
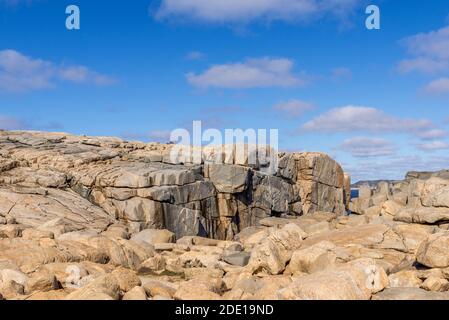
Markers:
(376, 100)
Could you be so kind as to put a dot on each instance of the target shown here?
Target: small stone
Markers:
(240, 259)
(136, 293)
(435, 284)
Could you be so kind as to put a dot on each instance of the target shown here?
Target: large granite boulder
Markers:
(103, 181)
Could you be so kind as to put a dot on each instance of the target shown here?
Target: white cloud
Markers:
(394, 167)
(294, 108)
(433, 146)
(430, 52)
(81, 74)
(253, 73)
(363, 119)
(363, 147)
(432, 134)
(434, 44)
(423, 65)
(438, 86)
(20, 73)
(238, 11)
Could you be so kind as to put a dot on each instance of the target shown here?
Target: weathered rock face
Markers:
(356, 280)
(87, 218)
(60, 183)
(422, 198)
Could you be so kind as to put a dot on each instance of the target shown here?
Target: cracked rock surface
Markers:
(100, 218)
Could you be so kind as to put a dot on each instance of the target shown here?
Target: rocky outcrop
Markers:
(105, 219)
(60, 183)
(422, 198)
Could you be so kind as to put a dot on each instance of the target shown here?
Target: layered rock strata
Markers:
(77, 181)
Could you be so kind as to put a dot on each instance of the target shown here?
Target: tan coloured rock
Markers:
(410, 294)
(152, 236)
(405, 278)
(390, 208)
(273, 253)
(434, 252)
(424, 215)
(437, 284)
(136, 293)
(41, 281)
(356, 280)
(314, 258)
(196, 290)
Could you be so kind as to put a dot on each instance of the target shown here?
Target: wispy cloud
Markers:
(364, 119)
(294, 108)
(394, 167)
(434, 44)
(237, 11)
(423, 65)
(432, 134)
(430, 53)
(365, 147)
(438, 86)
(21, 73)
(433, 146)
(252, 73)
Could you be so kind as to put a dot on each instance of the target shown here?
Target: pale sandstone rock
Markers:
(314, 258)
(34, 234)
(10, 231)
(47, 295)
(437, 284)
(365, 192)
(410, 294)
(152, 236)
(196, 290)
(227, 178)
(319, 177)
(413, 234)
(405, 278)
(154, 287)
(366, 235)
(104, 287)
(356, 280)
(9, 275)
(424, 215)
(373, 211)
(358, 205)
(390, 208)
(136, 293)
(273, 253)
(41, 281)
(434, 252)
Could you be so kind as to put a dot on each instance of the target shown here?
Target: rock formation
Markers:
(94, 182)
(104, 219)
